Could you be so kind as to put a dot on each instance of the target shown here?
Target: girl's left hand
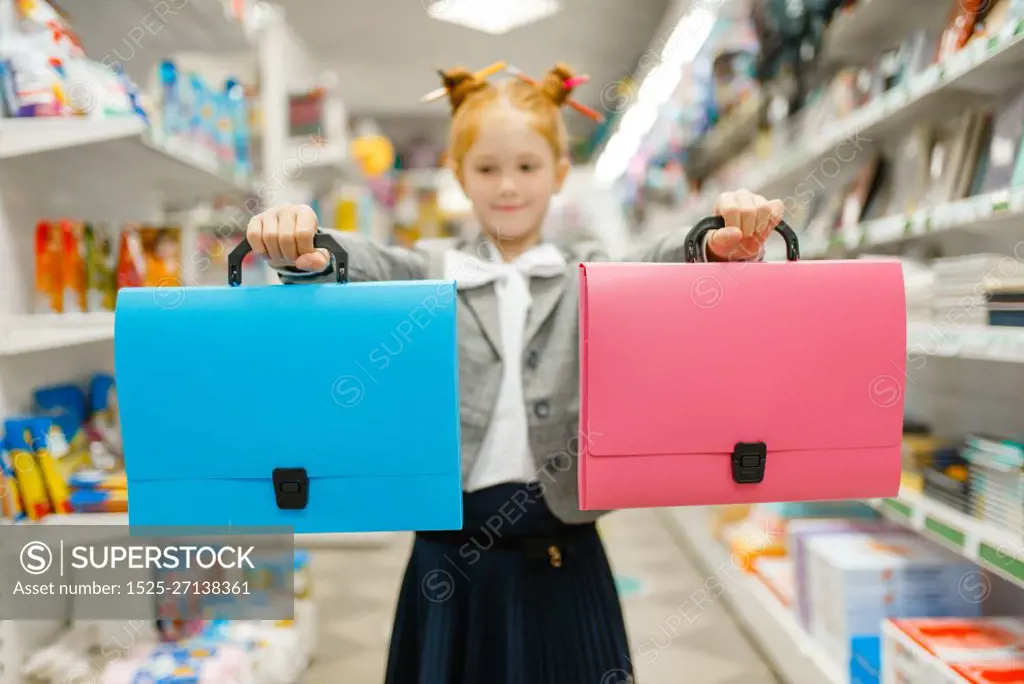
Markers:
(749, 221)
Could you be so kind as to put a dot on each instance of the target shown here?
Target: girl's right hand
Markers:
(284, 235)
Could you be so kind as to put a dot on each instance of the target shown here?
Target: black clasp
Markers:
(748, 459)
(291, 488)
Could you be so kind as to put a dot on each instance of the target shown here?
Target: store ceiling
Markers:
(386, 52)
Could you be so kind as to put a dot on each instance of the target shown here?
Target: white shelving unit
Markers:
(117, 170)
(783, 642)
(994, 548)
(36, 333)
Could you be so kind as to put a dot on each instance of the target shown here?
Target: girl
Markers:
(523, 593)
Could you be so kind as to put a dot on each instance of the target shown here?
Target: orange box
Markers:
(1005, 672)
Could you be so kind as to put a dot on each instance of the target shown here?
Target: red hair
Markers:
(470, 97)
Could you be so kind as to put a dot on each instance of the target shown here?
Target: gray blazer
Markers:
(550, 355)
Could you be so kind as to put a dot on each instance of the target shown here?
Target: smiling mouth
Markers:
(511, 209)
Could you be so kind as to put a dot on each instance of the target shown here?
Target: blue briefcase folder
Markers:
(321, 407)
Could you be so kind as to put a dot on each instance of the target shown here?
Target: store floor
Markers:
(679, 632)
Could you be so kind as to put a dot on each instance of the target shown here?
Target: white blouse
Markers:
(505, 453)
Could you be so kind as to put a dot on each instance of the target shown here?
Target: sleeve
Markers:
(367, 261)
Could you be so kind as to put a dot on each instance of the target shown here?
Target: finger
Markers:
(748, 212)
(729, 210)
(270, 237)
(764, 214)
(725, 242)
(286, 234)
(305, 230)
(314, 261)
(254, 234)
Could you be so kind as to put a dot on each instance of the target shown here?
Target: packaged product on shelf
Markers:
(238, 113)
(33, 85)
(278, 650)
(1003, 672)
(1000, 158)
(172, 664)
(799, 532)
(104, 423)
(996, 481)
(1005, 305)
(95, 90)
(74, 276)
(43, 433)
(20, 437)
(99, 500)
(100, 265)
(859, 580)
(946, 479)
(93, 480)
(173, 112)
(131, 264)
(223, 139)
(49, 264)
(69, 441)
(922, 651)
(162, 250)
(202, 131)
(865, 661)
(10, 494)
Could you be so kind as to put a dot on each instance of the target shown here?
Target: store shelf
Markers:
(860, 34)
(32, 136)
(979, 342)
(121, 158)
(993, 548)
(137, 34)
(794, 655)
(34, 333)
(987, 213)
(985, 68)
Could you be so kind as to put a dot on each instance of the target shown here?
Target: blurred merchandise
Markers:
(77, 269)
(65, 456)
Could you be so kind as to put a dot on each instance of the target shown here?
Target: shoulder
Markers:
(579, 252)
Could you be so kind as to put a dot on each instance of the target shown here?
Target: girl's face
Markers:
(510, 174)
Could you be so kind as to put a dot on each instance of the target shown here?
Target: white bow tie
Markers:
(468, 271)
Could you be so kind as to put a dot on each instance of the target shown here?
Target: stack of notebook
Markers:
(963, 286)
(997, 484)
(1005, 304)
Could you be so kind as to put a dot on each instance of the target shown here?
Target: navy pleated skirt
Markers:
(516, 597)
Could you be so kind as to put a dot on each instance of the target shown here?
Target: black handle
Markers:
(320, 241)
(695, 238)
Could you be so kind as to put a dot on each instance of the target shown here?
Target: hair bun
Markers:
(554, 85)
(460, 84)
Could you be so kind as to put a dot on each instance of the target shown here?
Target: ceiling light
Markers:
(689, 36)
(659, 85)
(492, 16)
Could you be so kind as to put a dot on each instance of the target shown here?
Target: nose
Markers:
(508, 186)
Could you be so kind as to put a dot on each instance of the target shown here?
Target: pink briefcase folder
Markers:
(718, 383)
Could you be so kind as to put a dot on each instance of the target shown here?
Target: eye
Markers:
(485, 169)
(527, 167)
